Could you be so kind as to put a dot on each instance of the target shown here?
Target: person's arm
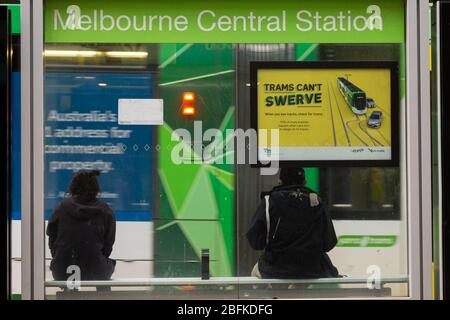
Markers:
(110, 233)
(256, 234)
(52, 230)
(329, 234)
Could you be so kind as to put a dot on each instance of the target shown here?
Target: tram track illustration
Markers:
(340, 113)
(346, 125)
(384, 138)
(332, 118)
(359, 121)
(354, 133)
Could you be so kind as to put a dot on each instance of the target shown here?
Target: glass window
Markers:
(364, 203)
(139, 197)
(165, 213)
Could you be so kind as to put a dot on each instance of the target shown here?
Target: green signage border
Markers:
(225, 21)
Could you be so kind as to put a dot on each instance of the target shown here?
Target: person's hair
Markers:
(290, 176)
(84, 185)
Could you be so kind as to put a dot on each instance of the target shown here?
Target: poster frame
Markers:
(393, 66)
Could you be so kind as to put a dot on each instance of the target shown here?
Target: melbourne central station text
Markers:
(209, 20)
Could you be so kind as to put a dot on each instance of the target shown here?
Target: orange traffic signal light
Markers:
(188, 106)
(188, 111)
(188, 96)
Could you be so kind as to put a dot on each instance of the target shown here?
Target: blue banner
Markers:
(15, 165)
(82, 133)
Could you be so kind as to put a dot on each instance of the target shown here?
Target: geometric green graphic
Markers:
(196, 205)
(196, 192)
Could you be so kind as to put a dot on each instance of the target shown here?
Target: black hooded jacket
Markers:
(82, 233)
(301, 232)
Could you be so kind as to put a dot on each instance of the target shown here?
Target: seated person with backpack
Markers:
(295, 231)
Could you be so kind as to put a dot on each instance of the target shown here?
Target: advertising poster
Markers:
(326, 113)
(82, 132)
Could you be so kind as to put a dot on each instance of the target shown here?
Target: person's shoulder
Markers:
(105, 207)
(313, 196)
(64, 203)
(303, 194)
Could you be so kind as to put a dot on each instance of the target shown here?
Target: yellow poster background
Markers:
(330, 123)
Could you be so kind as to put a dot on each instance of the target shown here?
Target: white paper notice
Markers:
(141, 111)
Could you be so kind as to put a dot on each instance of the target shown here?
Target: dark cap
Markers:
(290, 176)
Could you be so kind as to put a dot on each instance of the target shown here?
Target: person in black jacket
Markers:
(300, 231)
(82, 231)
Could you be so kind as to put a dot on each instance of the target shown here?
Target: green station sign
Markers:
(225, 21)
